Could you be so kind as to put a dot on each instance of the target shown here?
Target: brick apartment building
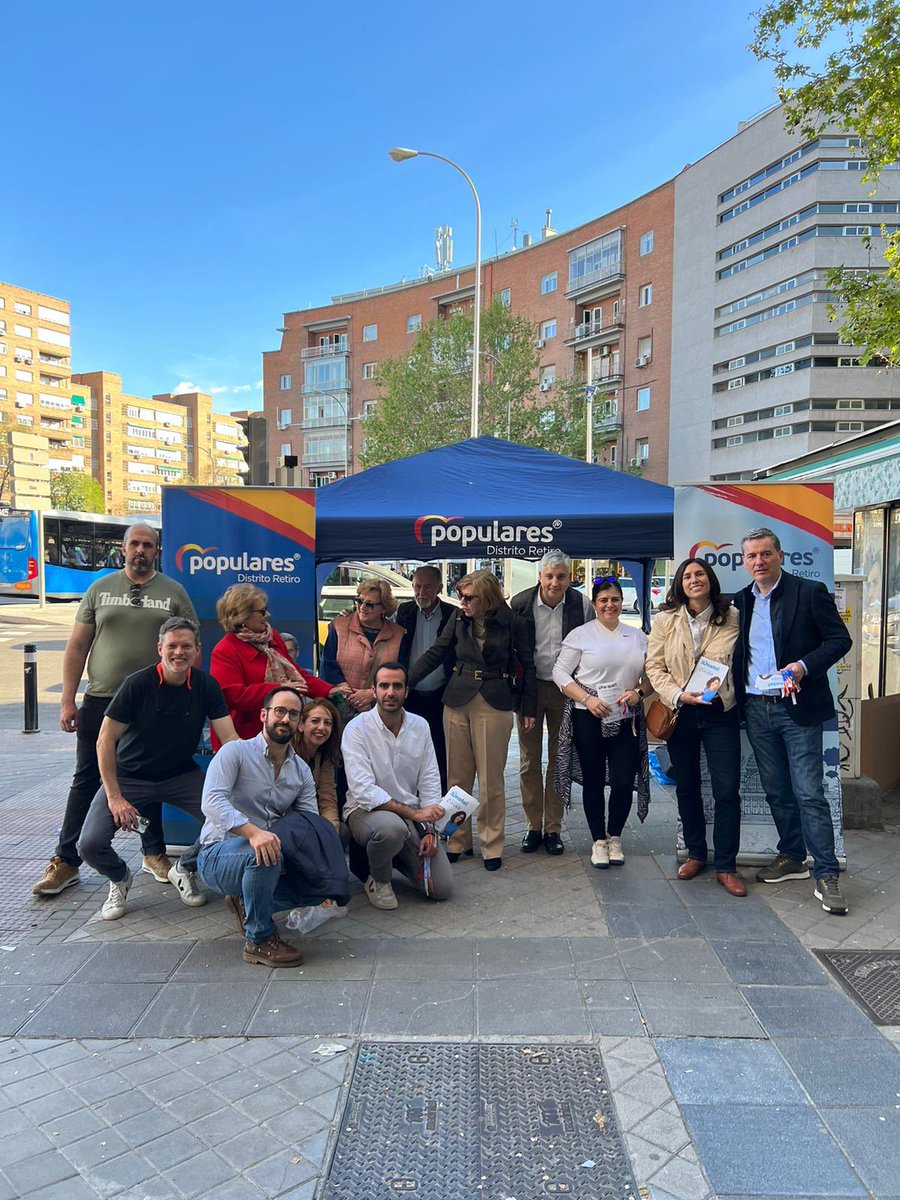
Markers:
(598, 297)
(699, 307)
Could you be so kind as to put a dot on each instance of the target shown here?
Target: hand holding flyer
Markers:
(458, 807)
(706, 679)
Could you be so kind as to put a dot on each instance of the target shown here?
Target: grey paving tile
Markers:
(101, 1087)
(545, 1007)
(296, 1124)
(621, 887)
(40, 1172)
(218, 962)
(449, 958)
(126, 1171)
(695, 1010)
(202, 1175)
(511, 958)
(265, 1102)
(675, 960)
(122, 1107)
(772, 963)
(278, 1175)
(22, 1145)
(796, 1011)
(132, 962)
(839, 1072)
(238, 1189)
(147, 1126)
(76, 1189)
(74, 1127)
(243, 1152)
(19, 1002)
(201, 1009)
(336, 958)
(612, 1008)
(85, 1010)
(97, 1148)
(43, 964)
(871, 1139)
(51, 1107)
(171, 1149)
(735, 1145)
(650, 921)
(708, 1071)
(21, 1091)
(310, 1007)
(443, 1009)
(742, 922)
(596, 958)
(7, 1191)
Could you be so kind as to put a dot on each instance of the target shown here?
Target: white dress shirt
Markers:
(548, 626)
(382, 766)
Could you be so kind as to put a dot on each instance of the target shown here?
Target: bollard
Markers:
(31, 690)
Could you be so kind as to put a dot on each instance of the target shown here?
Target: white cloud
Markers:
(243, 387)
(219, 391)
(184, 388)
(258, 385)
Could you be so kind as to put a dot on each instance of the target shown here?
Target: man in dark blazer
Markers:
(552, 609)
(790, 624)
(424, 619)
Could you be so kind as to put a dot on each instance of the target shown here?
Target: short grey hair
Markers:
(175, 623)
(556, 558)
(762, 532)
(436, 571)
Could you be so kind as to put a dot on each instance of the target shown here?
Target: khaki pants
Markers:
(543, 807)
(477, 744)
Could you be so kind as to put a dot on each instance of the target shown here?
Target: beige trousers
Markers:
(477, 745)
(543, 806)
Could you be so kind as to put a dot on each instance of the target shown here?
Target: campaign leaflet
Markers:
(707, 677)
(458, 807)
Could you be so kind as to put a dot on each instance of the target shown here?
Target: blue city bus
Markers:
(78, 548)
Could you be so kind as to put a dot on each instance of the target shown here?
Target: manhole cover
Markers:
(871, 977)
(457, 1122)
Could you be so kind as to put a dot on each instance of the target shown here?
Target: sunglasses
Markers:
(605, 579)
(134, 595)
(368, 605)
(466, 597)
(261, 612)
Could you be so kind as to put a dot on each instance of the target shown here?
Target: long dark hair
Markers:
(332, 748)
(676, 597)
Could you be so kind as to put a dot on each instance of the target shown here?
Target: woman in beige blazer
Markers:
(697, 621)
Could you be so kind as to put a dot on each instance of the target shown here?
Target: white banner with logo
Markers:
(710, 521)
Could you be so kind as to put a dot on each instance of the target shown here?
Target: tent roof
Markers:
(486, 496)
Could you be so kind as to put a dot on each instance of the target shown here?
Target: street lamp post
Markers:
(400, 154)
(589, 392)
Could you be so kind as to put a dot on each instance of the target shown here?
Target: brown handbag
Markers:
(660, 720)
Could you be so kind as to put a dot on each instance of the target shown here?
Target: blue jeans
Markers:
(229, 868)
(789, 758)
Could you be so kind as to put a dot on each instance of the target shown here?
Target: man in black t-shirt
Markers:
(146, 751)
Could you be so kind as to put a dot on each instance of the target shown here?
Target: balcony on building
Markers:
(607, 418)
(596, 333)
(597, 268)
(325, 450)
(325, 410)
(326, 339)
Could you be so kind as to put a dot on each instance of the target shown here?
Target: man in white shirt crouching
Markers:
(394, 789)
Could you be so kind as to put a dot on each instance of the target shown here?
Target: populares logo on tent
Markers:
(497, 536)
(193, 559)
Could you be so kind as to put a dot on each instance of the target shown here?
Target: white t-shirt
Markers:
(595, 656)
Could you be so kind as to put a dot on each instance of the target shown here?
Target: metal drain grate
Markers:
(871, 977)
(457, 1122)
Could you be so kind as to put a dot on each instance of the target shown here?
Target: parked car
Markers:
(339, 589)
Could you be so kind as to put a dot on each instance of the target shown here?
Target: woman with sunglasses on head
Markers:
(251, 657)
(697, 620)
(484, 649)
(358, 642)
(600, 670)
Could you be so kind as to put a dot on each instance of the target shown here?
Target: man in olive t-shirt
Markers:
(115, 633)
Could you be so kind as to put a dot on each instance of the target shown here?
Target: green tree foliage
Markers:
(837, 62)
(77, 492)
(425, 397)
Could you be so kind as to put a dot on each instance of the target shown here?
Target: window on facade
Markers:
(736, 439)
(596, 260)
(548, 283)
(642, 449)
(285, 383)
(647, 242)
(732, 421)
(782, 431)
(548, 376)
(368, 407)
(284, 448)
(645, 296)
(849, 426)
(548, 328)
(370, 333)
(284, 418)
(645, 348)
(24, 309)
(783, 410)
(849, 404)
(615, 311)
(613, 455)
(414, 323)
(505, 297)
(368, 370)
(643, 399)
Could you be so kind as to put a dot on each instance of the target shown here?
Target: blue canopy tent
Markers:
(488, 498)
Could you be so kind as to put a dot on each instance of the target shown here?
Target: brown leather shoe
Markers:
(272, 953)
(733, 884)
(236, 904)
(691, 867)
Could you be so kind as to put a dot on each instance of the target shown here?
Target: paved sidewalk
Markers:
(143, 1059)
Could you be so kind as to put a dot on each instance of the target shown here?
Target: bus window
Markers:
(108, 551)
(76, 545)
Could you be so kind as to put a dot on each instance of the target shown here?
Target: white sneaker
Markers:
(185, 883)
(600, 854)
(115, 905)
(616, 857)
(381, 895)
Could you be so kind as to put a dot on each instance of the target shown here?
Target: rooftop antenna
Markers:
(443, 247)
(515, 232)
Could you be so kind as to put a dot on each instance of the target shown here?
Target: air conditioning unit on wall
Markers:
(642, 360)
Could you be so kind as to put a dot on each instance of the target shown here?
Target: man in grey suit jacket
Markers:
(553, 610)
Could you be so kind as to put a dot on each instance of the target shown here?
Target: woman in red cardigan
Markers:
(251, 658)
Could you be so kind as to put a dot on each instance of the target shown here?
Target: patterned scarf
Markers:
(278, 668)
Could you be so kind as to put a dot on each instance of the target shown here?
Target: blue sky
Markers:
(185, 173)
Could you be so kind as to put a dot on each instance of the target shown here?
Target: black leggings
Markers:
(612, 758)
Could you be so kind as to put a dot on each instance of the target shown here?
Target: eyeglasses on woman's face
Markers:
(259, 612)
(367, 605)
(467, 597)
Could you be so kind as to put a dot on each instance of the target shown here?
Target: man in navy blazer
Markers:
(790, 624)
